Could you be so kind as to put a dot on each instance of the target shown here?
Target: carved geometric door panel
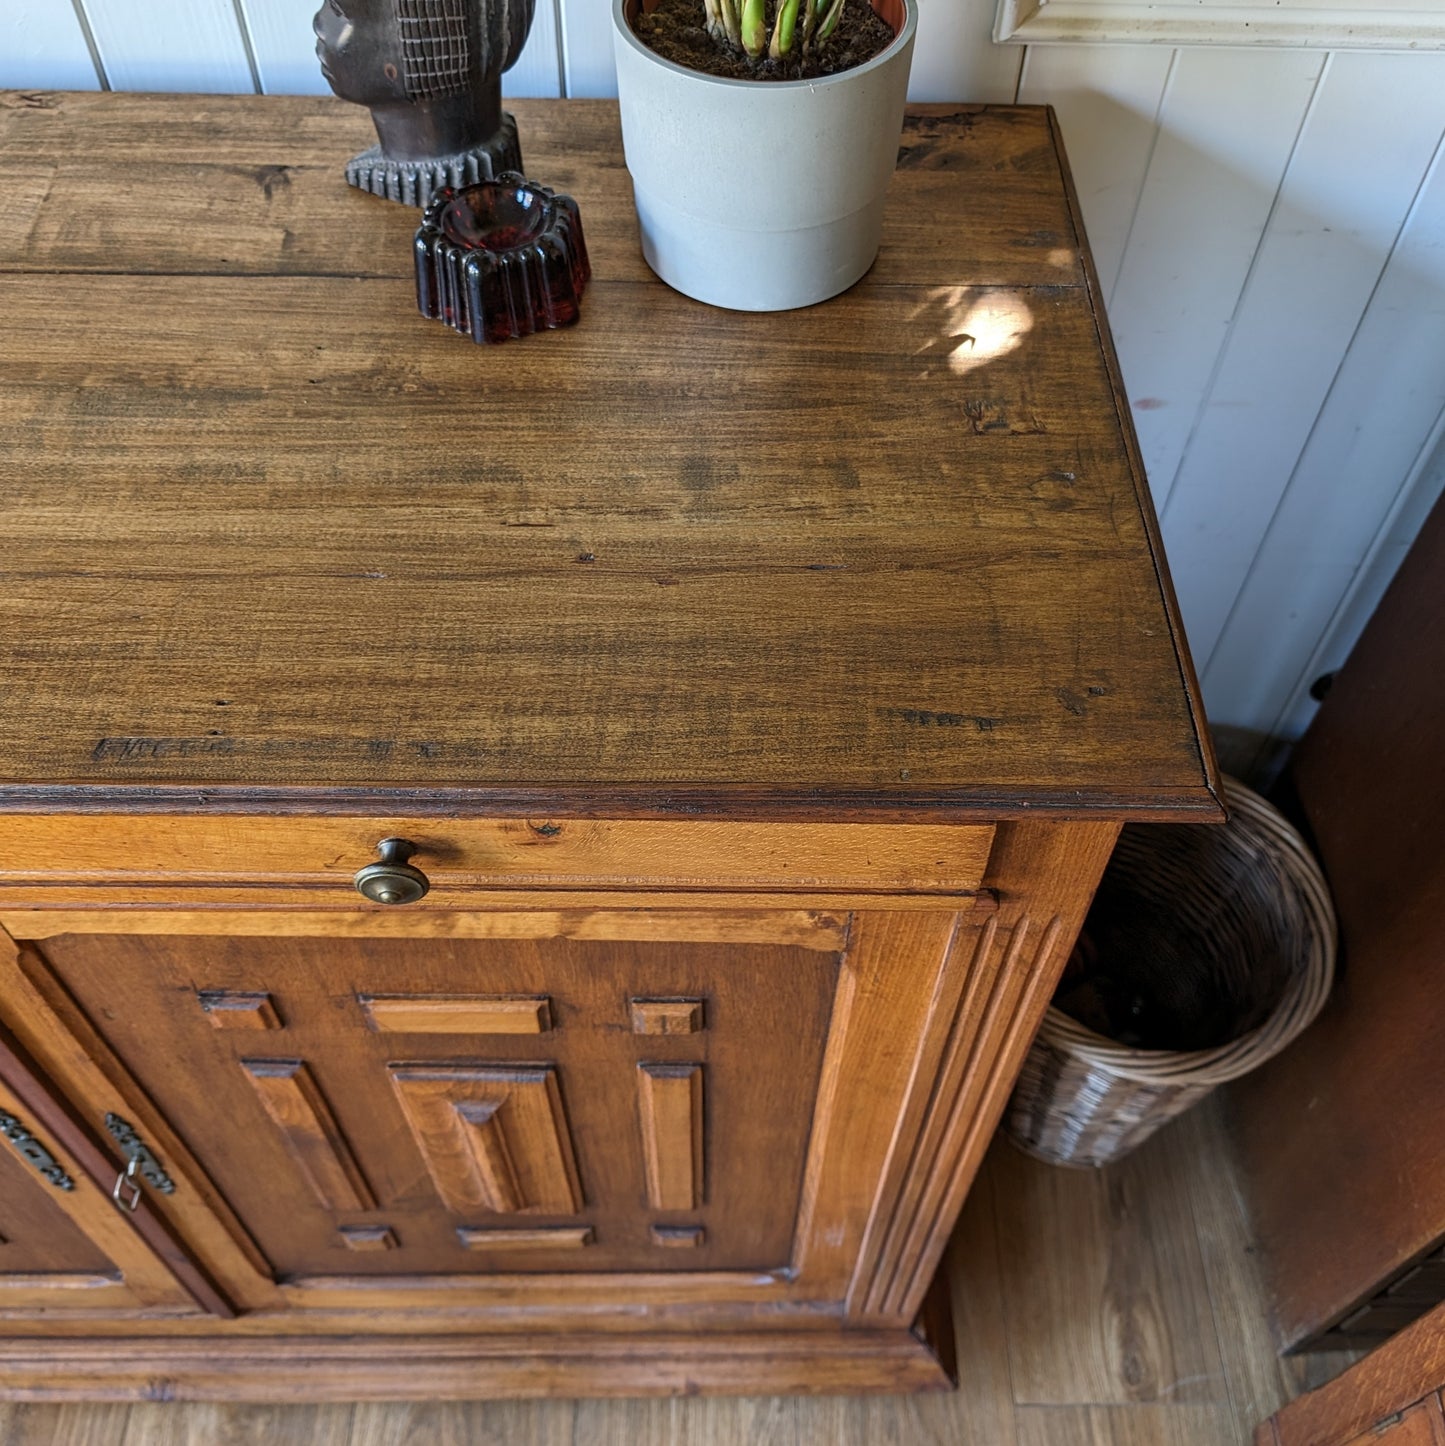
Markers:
(452, 1106)
(493, 1139)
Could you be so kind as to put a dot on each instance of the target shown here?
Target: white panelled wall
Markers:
(1269, 226)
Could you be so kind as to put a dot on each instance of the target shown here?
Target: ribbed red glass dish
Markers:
(501, 259)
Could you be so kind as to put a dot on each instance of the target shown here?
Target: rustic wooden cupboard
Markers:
(756, 698)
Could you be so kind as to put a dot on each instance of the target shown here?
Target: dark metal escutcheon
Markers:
(33, 1152)
(393, 880)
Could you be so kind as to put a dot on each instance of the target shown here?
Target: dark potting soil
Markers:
(677, 31)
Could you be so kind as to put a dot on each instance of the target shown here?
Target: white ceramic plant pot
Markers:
(761, 195)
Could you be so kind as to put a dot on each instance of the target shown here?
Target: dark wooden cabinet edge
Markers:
(1173, 804)
(1208, 763)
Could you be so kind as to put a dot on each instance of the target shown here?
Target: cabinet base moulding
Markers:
(395, 1368)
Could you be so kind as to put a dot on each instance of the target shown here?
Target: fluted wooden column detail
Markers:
(998, 982)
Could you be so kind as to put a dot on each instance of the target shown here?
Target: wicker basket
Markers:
(1246, 897)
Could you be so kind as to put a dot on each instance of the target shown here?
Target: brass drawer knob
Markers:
(393, 880)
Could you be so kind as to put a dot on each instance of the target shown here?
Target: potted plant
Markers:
(762, 194)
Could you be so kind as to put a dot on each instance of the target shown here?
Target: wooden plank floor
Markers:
(1117, 1308)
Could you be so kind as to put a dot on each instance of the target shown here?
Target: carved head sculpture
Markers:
(430, 73)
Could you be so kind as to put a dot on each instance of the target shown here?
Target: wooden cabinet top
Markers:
(270, 539)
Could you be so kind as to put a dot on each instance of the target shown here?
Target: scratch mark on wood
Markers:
(133, 750)
(929, 718)
(272, 179)
(990, 418)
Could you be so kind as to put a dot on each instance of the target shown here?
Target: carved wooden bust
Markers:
(430, 73)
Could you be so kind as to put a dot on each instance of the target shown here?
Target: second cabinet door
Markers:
(446, 1106)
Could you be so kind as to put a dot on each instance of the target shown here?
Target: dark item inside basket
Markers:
(1166, 964)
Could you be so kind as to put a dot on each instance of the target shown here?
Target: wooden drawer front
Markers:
(470, 854)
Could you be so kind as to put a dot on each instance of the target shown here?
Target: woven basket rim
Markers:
(1303, 999)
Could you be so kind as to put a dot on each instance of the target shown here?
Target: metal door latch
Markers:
(142, 1162)
(127, 1177)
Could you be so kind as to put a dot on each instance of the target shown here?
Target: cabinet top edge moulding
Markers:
(273, 542)
(1290, 24)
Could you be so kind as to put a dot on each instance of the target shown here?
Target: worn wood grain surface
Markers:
(265, 527)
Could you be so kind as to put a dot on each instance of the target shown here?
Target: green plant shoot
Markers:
(745, 24)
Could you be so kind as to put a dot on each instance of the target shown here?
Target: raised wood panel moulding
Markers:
(1356, 25)
(48, 1281)
(557, 1237)
(367, 1238)
(295, 1103)
(85, 1297)
(633, 918)
(678, 1237)
(494, 1137)
(458, 1013)
(671, 1110)
(667, 1016)
(516, 1299)
(232, 1009)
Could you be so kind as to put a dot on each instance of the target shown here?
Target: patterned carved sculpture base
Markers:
(414, 182)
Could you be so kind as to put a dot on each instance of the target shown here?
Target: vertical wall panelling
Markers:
(42, 47)
(1372, 443)
(1374, 575)
(955, 57)
(1108, 99)
(1213, 178)
(587, 48)
(1361, 155)
(284, 46)
(538, 72)
(181, 45)
(285, 50)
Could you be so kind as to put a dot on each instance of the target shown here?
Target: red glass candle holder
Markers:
(501, 259)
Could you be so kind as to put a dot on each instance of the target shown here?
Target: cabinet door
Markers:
(66, 1244)
(443, 1106)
